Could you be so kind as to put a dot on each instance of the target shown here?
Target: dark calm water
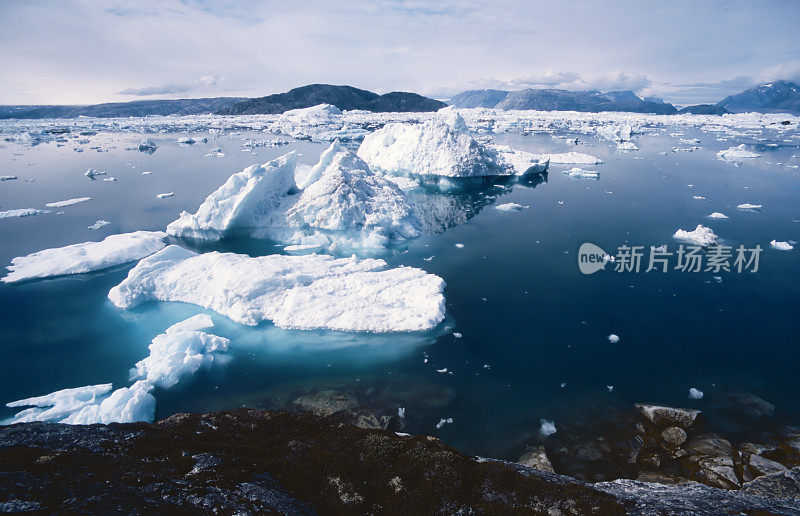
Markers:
(514, 291)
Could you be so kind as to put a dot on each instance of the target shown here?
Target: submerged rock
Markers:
(670, 416)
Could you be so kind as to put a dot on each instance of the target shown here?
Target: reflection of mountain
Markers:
(439, 211)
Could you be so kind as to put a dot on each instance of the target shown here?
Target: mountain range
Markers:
(778, 96)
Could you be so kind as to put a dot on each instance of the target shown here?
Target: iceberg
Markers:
(86, 256)
(627, 146)
(245, 197)
(718, 215)
(521, 163)
(510, 206)
(749, 207)
(736, 153)
(437, 147)
(297, 292)
(572, 158)
(579, 173)
(180, 351)
(695, 394)
(22, 212)
(781, 246)
(547, 427)
(701, 236)
(68, 202)
(147, 145)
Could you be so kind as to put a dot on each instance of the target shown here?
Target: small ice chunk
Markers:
(579, 173)
(718, 215)
(695, 394)
(444, 421)
(7, 178)
(457, 335)
(698, 197)
(572, 158)
(147, 145)
(86, 256)
(701, 235)
(68, 202)
(749, 207)
(401, 412)
(146, 173)
(510, 206)
(460, 245)
(547, 427)
(92, 173)
(613, 338)
(165, 195)
(627, 146)
(781, 246)
(99, 224)
(442, 371)
(610, 388)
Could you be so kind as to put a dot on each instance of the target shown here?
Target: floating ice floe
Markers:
(781, 246)
(299, 292)
(698, 198)
(147, 145)
(627, 146)
(521, 163)
(215, 153)
(92, 173)
(718, 215)
(68, 202)
(579, 173)
(21, 212)
(547, 427)
(749, 207)
(86, 256)
(613, 338)
(437, 147)
(185, 140)
(7, 178)
(736, 153)
(572, 158)
(99, 224)
(510, 206)
(178, 352)
(695, 394)
(165, 195)
(615, 133)
(701, 236)
(444, 421)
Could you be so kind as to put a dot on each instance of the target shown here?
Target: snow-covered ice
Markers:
(547, 427)
(99, 224)
(579, 173)
(701, 236)
(147, 145)
(86, 256)
(300, 292)
(68, 202)
(510, 206)
(737, 153)
(781, 246)
(165, 195)
(21, 212)
(749, 207)
(718, 215)
(695, 394)
(613, 338)
(444, 421)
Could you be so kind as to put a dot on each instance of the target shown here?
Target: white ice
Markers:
(86, 256)
(695, 394)
(579, 173)
(718, 215)
(781, 246)
(22, 212)
(68, 202)
(510, 206)
(736, 153)
(701, 236)
(749, 207)
(613, 338)
(300, 292)
(547, 427)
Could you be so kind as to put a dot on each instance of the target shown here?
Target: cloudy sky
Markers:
(83, 51)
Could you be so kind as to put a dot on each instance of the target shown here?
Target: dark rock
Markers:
(324, 403)
(591, 101)
(704, 109)
(668, 416)
(478, 98)
(673, 436)
(123, 109)
(536, 459)
(778, 96)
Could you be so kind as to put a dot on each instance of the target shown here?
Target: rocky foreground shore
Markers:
(248, 461)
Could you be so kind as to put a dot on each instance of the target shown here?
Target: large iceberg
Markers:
(245, 198)
(702, 236)
(737, 153)
(300, 292)
(437, 147)
(86, 256)
(343, 206)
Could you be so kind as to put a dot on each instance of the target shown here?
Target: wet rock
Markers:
(536, 459)
(782, 486)
(716, 472)
(751, 405)
(661, 478)
(369, 417)
(757, 449)
(758, 466)
(650, 461)
(325, 403)
(668, 416)
(673, 436)
(709, 445)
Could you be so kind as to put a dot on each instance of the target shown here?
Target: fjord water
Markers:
(529, 320)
